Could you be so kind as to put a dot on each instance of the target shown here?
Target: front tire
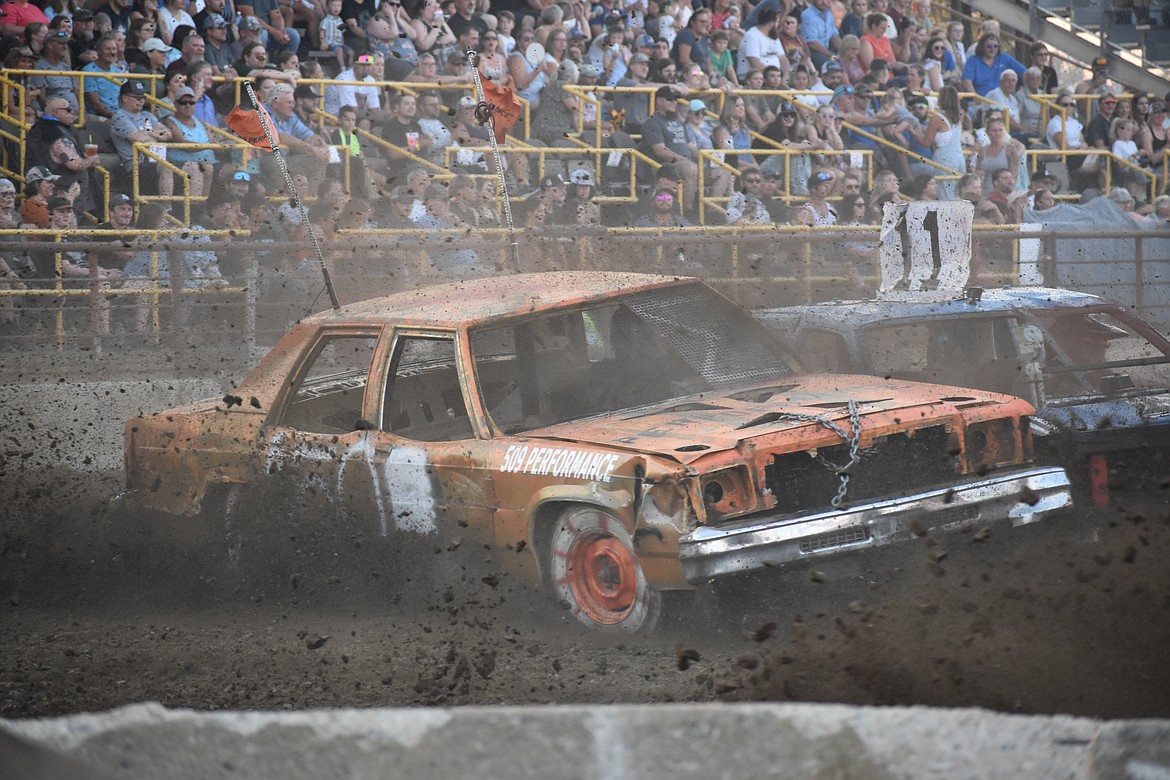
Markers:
(592, 568)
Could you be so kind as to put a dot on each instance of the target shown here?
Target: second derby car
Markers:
(630, 433)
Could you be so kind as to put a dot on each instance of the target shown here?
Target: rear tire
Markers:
(593, 569)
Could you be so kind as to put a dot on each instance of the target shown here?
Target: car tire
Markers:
(593, 569)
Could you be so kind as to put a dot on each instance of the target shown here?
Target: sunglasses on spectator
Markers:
(824, 177)
(184, 102)
(664, 197)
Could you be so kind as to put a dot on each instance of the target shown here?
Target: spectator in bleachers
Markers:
(493, 63)
(1156, 135)
(430, 108)
(172, 83)
(819, 30)
(52, 144)
(402, 128)
(431, 31)
(1027, 125)
(661, 211)
(956, 49)
(1098, 83)
(692, 44)
(734, 118)
(853, 22)
(359, 171)
(934, 66)
(982, 71)
(664, 71)
(307, 149)
(1097, 131)
(1124, 147)
(141, 31)
(635, 106)
(113, 15)
(721, 61)
(55, 58)
(131, 124)
(186, 128)
(528, 79)
(1005, 95)
(1040, 57)
(849, 60)
(1000, 151)
(173, 14)
(924, 186)
(101, 94)
(305, 103)
(905, 46)
(759, 48)
(746, 207)
(331, 31)
(664, 139)
(153, 63)
(35, 35)
(199, 79)
(40, 184)
(192, 49)
(796, 49)
(366, 99)
(254, 64)
(875, 43)
(82, 43)
(18, 14)
(276, 32)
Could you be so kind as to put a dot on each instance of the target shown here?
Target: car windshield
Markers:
(623, 352)
(1075, 352)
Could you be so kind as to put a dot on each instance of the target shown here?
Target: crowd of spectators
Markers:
(893, 102)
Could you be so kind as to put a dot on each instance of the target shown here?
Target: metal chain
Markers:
(852, 437)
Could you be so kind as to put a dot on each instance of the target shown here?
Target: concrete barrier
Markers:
(596, 742)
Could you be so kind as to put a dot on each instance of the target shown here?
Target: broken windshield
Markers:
(621, 353)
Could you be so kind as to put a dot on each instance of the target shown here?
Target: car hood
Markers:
(687, 428)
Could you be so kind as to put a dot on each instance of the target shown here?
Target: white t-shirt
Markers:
(759, 44)
(1072, 132)
(1126, 150)
(338, 95)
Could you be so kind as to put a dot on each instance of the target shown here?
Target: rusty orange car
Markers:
(631, 434)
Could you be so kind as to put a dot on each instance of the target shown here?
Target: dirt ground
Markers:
(1068, 616)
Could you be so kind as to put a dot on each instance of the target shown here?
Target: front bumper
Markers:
(707, 553)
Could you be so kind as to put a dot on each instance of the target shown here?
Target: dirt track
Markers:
(1071, 616)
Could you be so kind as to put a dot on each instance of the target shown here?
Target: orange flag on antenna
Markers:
(245, 123)
(507, 107)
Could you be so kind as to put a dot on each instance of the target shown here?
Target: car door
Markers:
(427, 463)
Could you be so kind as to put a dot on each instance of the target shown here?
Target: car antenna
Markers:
(296, 196)
(485, 113)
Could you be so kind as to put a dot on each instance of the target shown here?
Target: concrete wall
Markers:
(597, 742)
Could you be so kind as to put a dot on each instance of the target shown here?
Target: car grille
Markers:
(893, 464)
(842, 538)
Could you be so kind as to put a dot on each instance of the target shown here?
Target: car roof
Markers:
(899, 306)
(460, 304)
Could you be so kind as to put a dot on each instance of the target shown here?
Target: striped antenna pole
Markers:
(483, 113)
(296, 196)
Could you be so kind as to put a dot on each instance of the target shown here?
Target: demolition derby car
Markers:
(629, 433)
(1098, 375)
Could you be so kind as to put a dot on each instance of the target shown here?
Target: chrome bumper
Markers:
(707, 553)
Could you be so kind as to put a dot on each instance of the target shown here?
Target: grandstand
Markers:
(763, 166)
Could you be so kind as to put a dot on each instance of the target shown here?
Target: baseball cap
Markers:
(39, 173)
(588, 69)
(304, 91)
(831, 66)
(614, 17)
(155, 44)
(467, 102)
(644, 40)
(83, 15)
(665, 93)
(1109, 99)
(214, 20)
(58, 202)
(249, 23)
(21, 51)
(844, 89)
(365, 59)
(184, 92)
(1100, 62)
(640, 57)
(241, 176)
(133, 87)
(787, 108)
(1157, 106)
(60, 36)
(581, 176)
(553, 180)
(918, 100)
(118, 198)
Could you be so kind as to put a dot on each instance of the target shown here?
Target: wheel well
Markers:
(542, 524)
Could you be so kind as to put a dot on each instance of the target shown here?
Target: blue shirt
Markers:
(292, 126)
(817, 26)
(986, 77)
(106, 89)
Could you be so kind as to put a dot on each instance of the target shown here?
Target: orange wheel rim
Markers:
(603, 576)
